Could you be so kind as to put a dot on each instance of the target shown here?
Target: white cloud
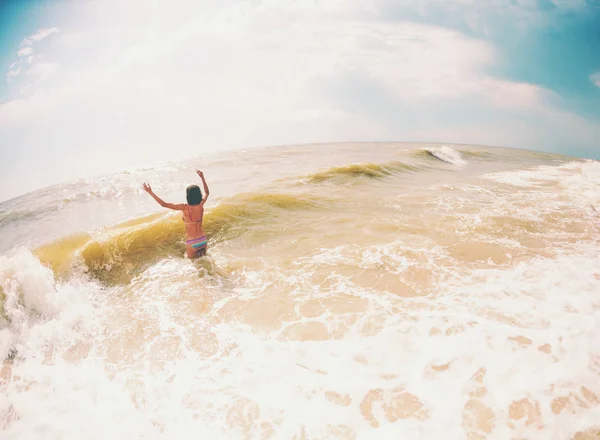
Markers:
(42, 71)
(507, 94)
(25, 51)
(39, 36)
(25, 54)
(13, 73)
(287, 53)
(595, 78)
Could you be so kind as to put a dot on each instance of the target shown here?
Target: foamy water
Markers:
(351, 292)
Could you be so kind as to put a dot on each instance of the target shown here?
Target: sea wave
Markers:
(361, 170)
(25, 215)
(34, 305)
(9, 217)
(118, 253)
(444, 154)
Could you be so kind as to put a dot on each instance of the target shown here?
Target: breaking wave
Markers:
(120, 252)
(444, 154)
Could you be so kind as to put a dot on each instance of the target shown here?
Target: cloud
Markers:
(13, 70)
(595, 78)
(13, 73)
(413, 61)
(25, 55)
(25, 51)
(42, 71)
(39, 36)
(295, 71)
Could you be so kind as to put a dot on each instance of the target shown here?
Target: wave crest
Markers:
(363, 170)
(35, 306)
(445, 154)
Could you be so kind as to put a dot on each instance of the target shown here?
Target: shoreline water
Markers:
(397, 290)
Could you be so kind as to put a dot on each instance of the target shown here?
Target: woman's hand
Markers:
(160, 201)
(200, 173)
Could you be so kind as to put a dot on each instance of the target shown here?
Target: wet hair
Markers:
(193, 195)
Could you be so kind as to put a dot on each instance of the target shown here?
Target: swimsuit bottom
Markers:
(197, 243)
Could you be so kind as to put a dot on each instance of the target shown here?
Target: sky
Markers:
(89, 87)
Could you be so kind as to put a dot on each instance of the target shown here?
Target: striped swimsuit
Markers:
(199, 243)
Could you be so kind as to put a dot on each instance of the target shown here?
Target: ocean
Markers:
(350, 291)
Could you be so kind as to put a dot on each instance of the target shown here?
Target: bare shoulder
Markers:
(177, 206)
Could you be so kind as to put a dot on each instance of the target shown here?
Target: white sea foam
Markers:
(409, 365)
(499, 320)
(580, 179)
(37, 309)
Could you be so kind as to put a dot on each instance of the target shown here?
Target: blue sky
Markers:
(89, 87)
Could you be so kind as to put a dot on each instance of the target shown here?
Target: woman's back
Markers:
(192, 217)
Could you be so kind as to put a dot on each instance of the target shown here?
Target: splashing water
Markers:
(448, 155)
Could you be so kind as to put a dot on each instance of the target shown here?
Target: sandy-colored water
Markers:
(353, 291)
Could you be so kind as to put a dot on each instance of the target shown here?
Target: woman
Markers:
(193, 212)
